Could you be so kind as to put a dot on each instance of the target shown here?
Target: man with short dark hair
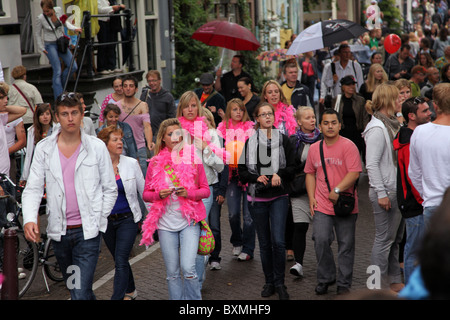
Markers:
(416, 112)
(343, 165)
(76, 171)
(339, 69)
(296, 93)
(227, 84)
(399, 64)
(211, 98)
(135, 112)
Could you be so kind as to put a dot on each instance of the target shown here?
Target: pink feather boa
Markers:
(186, 172)
(286, 114)
(241, 131)
(199, 129)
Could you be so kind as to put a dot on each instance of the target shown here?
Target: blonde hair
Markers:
(384, 97)
(401, 83)
(300, 110)
(160, 144)
(371, 82)
(184, 103)
(441, 96)
(209, 116)
(4, 88)
(263, 91)
(241, 106)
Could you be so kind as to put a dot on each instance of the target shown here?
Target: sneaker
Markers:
(268, 290)
(117, 70)
(21, 275)
(215, 266)
(296, 270)
(244, 256)
(237, 250)
(282, 292)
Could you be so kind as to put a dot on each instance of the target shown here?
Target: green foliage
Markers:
(391, 14)
(192, 57)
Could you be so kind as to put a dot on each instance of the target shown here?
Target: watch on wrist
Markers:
(206, 151)
(337, 190)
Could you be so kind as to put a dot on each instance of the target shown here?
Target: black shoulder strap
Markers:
(322, 159)
(333, 68)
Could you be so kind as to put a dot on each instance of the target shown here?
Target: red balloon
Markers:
(392, 43)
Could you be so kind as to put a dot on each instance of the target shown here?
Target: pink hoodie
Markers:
(191, 176)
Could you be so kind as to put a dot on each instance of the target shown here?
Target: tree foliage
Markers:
(192, 57)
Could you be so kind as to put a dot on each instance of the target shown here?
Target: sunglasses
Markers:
(72, 96)
(418, 100)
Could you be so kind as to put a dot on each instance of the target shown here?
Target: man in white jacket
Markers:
(76, 171)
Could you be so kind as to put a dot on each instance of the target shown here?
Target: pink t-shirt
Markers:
(68, 169)
(341, 157)
(136, 121)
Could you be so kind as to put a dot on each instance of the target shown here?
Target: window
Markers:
(151, 50)
(149, 8)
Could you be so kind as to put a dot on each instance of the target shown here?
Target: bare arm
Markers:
(21, 139)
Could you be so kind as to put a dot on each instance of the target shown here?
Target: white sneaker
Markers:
(244, 257)
(215, 266)
(237, 250)
(21, 275)
(296, 270)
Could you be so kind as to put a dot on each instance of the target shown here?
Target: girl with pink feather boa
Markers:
(190, 113)
(284, 113)
(236, 128)
(175, 186)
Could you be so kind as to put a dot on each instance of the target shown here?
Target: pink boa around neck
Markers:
(286, 114)
(186, 172)
(241, 131)
(199, 129)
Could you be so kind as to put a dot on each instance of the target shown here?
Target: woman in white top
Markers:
(50, 23)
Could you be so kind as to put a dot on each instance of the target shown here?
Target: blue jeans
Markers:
(427, 213)
(59, 77)
(119, 238)
(142, 158)
(200, 262)
(179, 250)
(82, 256)
(415, 229)
(245, 237)
(270, 223)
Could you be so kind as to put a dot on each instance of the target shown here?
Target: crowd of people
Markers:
(281, 158)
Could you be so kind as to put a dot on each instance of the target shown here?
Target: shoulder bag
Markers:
(346, 201)
(206, 242)
(62, 43)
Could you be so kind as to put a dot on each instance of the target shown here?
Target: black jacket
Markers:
(286, 174)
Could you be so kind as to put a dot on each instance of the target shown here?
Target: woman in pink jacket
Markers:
(175, 186)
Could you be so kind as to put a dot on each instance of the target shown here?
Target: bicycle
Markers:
(29, 255)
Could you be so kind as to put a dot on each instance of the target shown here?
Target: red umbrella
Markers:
(226, 35)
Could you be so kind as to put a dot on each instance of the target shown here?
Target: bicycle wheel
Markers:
(27, 262)
(51, 266)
